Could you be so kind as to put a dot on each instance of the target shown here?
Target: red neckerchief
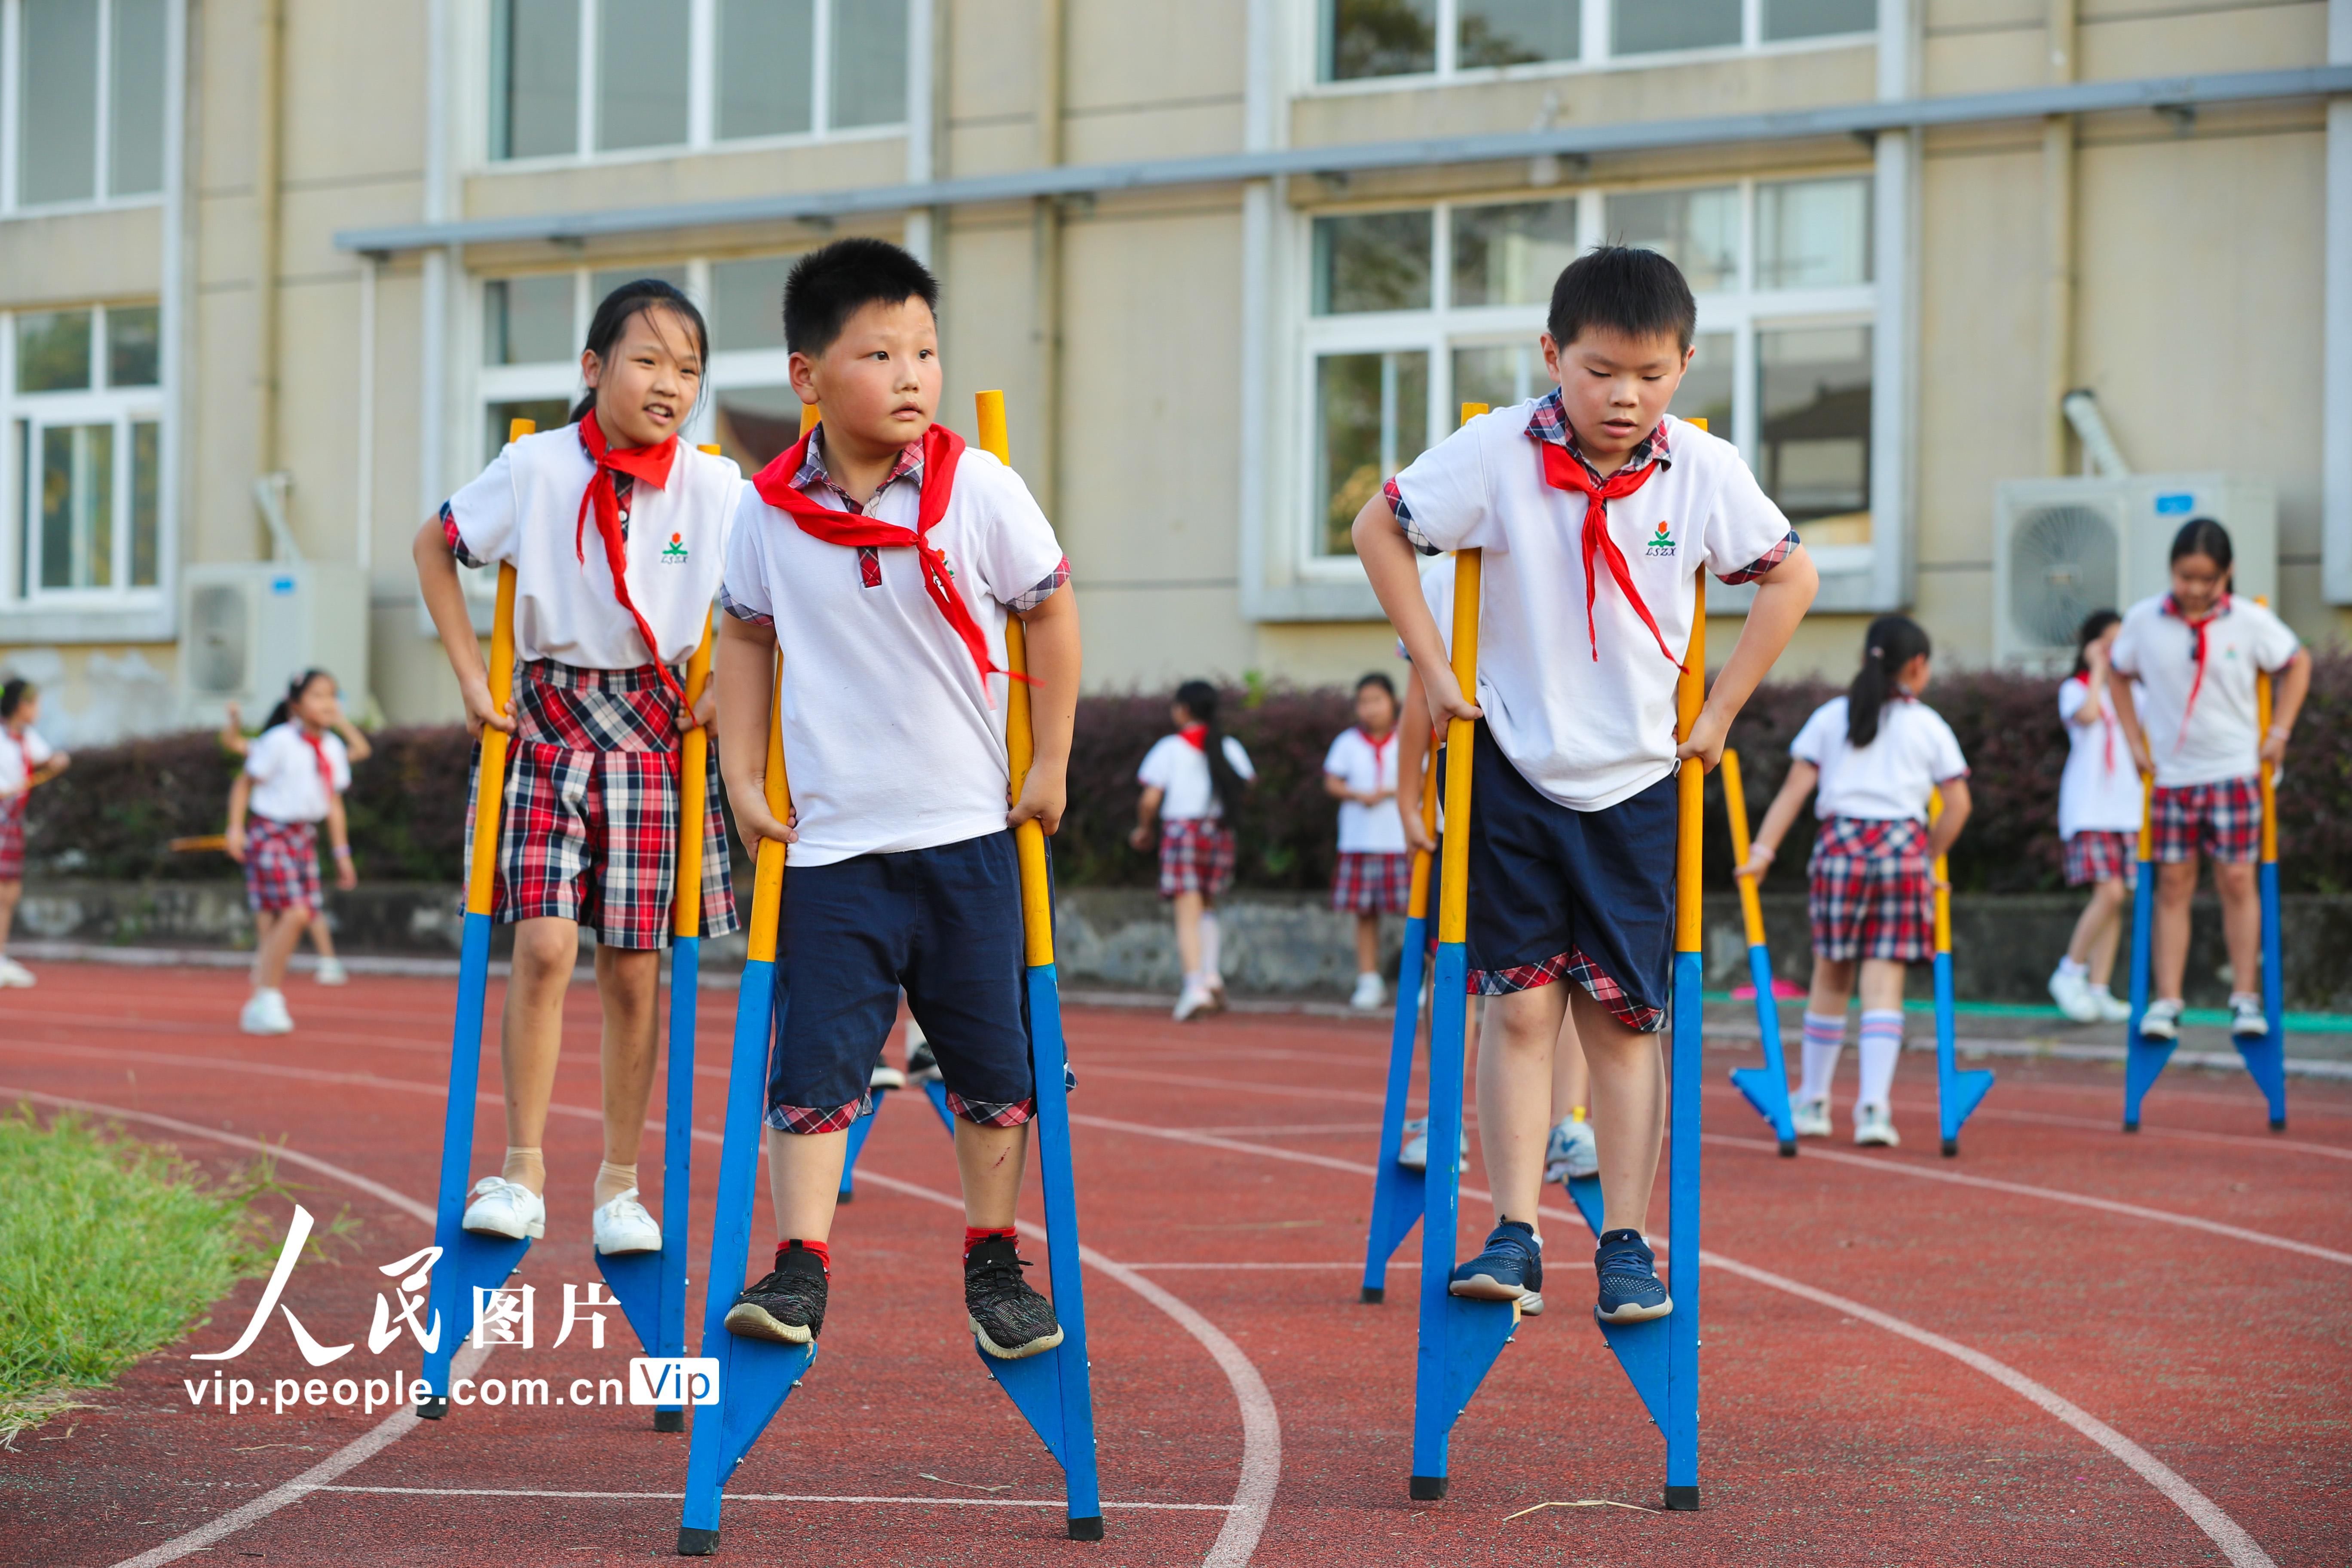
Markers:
(2106, 730)
(1563, 471)
(942, 448)
(1195, 736)
(2197, 629)
(1379, 746)
(326, 769)
(649, 465)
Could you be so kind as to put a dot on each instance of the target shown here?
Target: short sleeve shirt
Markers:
(1370, 767)
(1892, 777)
(2099, 790)
(20, 752)
(1179, 770)
(287, 784)
(2219, 738)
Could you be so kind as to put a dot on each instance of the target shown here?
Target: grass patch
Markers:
(108, 1248)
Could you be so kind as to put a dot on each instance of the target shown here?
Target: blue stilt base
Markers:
(651, 1285)
(1959, 1090)
(1766, 1088)
(2144, 1058)
(2266, 1058)
(1397, 1192)
(860, 1131)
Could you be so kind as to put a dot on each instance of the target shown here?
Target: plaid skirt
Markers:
(588, 819)
(2223, 819)
(12, 837)
(1196, 855)
(2102, 855)
(1873, 892)
(282, 864)
(1370, 883)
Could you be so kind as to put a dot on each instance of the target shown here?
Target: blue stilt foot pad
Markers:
(1476, 1332)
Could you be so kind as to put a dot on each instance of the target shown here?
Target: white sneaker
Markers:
(2113, 1009)
(15, 974)
(265, 1013)
(620, 1225)
(1369, 994)
(1413, 1155)
(2071, 991)
(1874, 1126)
(1194, 998)
(1572, 1152)
(332, 972)
(1811, 1118)
(2161, 1021)
(884, 1076)
(2247, 1019)
(506, 1208)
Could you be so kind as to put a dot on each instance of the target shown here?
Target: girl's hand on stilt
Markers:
(1760, 860)
(1417, 837)
(2274, 746)
(1044, 794)
(482, 708)
(1445, 699)
(706, 712)
(234, 842)
(755, 822)
(1706, 737)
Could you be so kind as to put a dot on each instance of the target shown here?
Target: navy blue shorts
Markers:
(1585, 894)
(943, 924)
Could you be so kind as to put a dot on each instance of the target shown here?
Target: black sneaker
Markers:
(921, 1065)
(787, 1306)
(1010, 1319)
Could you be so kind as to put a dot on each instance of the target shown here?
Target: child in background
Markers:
(294, 776)
(1190, 780)
(1876, 754)
(1373, 876)
(26, 760)
(2098, 823)
(2193, 654)
(356, 748)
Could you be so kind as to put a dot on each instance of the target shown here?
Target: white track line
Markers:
(2047, 1194)
(2207, 1515)
(925, 1502)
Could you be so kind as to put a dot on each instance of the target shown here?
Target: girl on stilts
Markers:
(356, 750)
(2098, 824)
(1373, 876)
(1191, 779)
(294, 777)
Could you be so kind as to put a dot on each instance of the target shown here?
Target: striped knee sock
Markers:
(1881, 1043)
(1825, 1039)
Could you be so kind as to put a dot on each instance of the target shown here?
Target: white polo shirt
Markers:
(1179, 770)
(525, 507)
(891, 742)
(1890, 778)
(1360, 764)
(1588, 734)
(287, 784)
(20, 752)
(2158, 650)
(2099, 790)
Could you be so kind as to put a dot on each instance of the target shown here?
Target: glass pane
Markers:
(77, 505)
(1815, 448)
(134, 151)
(534, 77)
(1517, 32)
(528, 321)
(1817, 18)
(1511, 255)
(1644, 26)
(1371, 418)
(1372, 261)
(1498, 375)
(641, 73)
(53, 352)
(146, 528)
(58, 102)
(1813, 234)
(1705, 391)
(756, 422)
(746, 303)
(130, 346)
(1698, 231)
(1380, 37)
(869, 62)
(544, 413)
(765, 84)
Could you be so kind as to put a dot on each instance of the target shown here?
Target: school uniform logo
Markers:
(1663, 541)
(674, 553)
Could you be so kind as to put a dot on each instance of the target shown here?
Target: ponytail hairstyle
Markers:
(13, 695)
(294, 691)
(1892, 642)
(612, 315)
(2203, 536)
(1200, 700)
(2094, 624)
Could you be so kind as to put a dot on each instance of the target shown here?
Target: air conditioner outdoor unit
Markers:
(247, 628)
(2062, 548)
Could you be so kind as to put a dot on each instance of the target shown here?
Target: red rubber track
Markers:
(1826, 1436)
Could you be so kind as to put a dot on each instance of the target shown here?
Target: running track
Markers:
(2067, 1346)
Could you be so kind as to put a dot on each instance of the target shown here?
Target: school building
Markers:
(276, 274)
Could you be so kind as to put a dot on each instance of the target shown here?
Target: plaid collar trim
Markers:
(812, 472)
(1550, 423)
(2220, 608)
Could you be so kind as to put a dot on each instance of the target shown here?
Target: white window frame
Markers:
(119, 408)
(1742, 311)
(12, 35)
(1595, 49)
(702, 94)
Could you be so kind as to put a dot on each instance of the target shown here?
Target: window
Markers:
(1363, 40)
(1411, 313)
(87, 409)
(87, 100)
(574, 76)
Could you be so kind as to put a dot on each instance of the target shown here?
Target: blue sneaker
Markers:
(1630, 1289)
(1511, 1270)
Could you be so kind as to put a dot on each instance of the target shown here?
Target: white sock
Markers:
(1210, 971)
(1824, 1042)
(2099, 989)
(1881, 1043)
(2246, 998)
(2068, 966)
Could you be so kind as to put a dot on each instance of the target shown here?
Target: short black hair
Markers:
(1623, 288)
(830, 284)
